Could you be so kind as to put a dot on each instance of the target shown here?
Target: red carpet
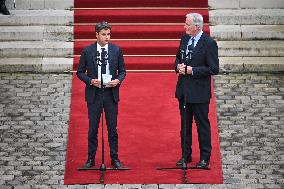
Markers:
(135, 15)
(139, 3)
(148, 129)
(148, 33)
(130, 32)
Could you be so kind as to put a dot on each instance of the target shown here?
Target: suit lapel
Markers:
(94, 58)
(110, 57)
(199, 44)
(184, 44)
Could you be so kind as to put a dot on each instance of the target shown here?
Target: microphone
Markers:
(104, 56)
(190, 53)
(98, 57)
(181, 51)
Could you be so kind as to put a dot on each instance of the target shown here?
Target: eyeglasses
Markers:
(188, 25)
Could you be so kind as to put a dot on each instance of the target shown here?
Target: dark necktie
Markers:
(190, 49)
(191, 46)
(103, 60)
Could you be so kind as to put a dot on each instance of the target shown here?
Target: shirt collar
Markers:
(99, 48)
(197, 37)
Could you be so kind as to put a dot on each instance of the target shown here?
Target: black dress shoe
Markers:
(202, 164)
(3, 9)
(180, 161)
(89, 163)
(116, 163)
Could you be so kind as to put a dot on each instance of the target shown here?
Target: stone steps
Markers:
(36, 33)
(37, 40)
(215, 4)
(247, 32)
(217, 17)
(251, 64)
(244, 4)
(36, 49)
(39, 4)
(63, 49)
(227, 64)
(50, 64)
(251, 48)
(37, 17)
(65, 33)
(247, 17)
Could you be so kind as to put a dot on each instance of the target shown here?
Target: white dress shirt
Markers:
(99, 49)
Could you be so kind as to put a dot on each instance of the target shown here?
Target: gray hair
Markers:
(102, 26)
(196, 18)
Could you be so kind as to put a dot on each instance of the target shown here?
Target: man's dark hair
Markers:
(102, 26)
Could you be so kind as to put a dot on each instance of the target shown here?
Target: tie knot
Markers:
(104, 52)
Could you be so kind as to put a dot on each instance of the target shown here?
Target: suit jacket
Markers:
(88, 69)
(197, 87)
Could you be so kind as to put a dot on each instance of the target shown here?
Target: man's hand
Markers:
(181, 69)
(95, 82)
(113, 83)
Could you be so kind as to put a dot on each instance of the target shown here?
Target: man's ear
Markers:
(97, 34)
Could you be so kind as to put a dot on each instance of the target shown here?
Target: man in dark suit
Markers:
(196, 60)
(112, 66)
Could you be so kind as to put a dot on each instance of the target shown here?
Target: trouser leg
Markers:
(3, 8)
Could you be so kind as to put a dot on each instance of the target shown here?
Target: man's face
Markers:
(103, 37)
(190, 29)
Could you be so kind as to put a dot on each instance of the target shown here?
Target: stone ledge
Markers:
(247, 32)
(227, 64)
(219, 32)
(236, 4)
(36, 33)
(39, 4)
(251, 64)
(63, 49)
(255, 48)
(36, 64)
(247, 17)
(37, 17)
(36, 49)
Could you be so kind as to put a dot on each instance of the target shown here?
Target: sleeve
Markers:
(211, 66)
(82, 68)
(121, 66)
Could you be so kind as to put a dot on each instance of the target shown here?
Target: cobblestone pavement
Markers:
(34, 114)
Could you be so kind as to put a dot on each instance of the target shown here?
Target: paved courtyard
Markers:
(34, 114)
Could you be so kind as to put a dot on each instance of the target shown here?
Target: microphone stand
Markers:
(184, 166)
(103, 168)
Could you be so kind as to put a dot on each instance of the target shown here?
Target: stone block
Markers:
(228, 4)
(226, 32)
(36, 49)
(247, 16)
(53, 4)
(262, 32)
(57, 64)
(251, 48)
(263, 64)
(37, 17)
(264, 4)
(39, 4)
